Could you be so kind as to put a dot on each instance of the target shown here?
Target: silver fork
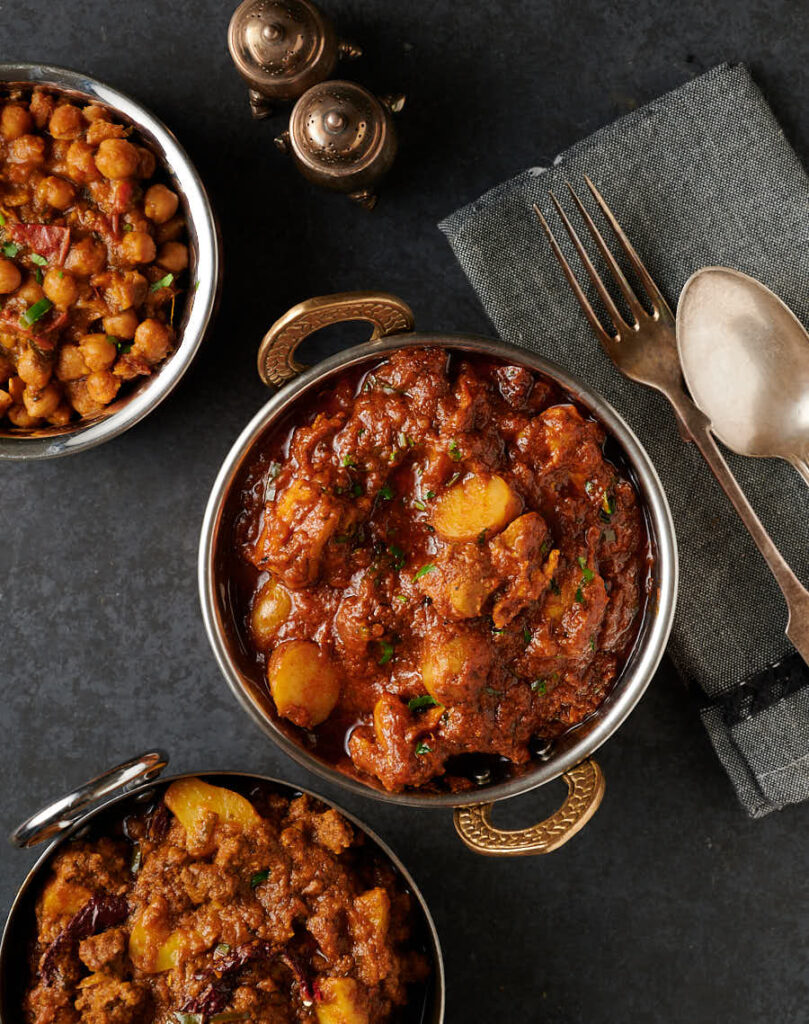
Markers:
(646, 351)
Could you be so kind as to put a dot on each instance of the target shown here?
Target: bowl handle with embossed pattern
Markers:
(585, 789)
(276, 354)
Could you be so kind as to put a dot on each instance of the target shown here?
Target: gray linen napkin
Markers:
(702, 176)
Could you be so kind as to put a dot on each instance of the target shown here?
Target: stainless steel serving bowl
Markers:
(204, 272)
(91, 806)
(569, 756)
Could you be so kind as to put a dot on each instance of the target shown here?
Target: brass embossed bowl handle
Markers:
(585, 789)
(276, 362)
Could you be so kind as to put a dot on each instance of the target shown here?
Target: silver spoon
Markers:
(745, 358)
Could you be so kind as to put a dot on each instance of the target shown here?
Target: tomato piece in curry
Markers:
(442, 561)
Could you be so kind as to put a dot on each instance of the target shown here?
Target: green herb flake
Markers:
(10, 250)
(423, 748)
(35, 312)
(39, 260)
(423, 571)
(259, 877)
(387, 652)
(164, 282)
(419, 504)
(386, 492)
(539, 686)
(420, 703)
(579, 595)
(455, 452)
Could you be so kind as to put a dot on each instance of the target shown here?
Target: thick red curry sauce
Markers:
(437, 559)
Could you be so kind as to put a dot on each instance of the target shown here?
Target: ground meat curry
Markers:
(211, 907)
(442, 562)
(91, 257)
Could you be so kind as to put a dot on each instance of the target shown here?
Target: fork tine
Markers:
(659, 303)
(614, 313)
(615, 269)
(606, 340)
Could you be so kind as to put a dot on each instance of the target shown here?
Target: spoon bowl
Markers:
(745, 358)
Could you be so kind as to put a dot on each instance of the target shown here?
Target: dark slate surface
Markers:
(671, 905)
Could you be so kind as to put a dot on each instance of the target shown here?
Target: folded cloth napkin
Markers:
(702, 176)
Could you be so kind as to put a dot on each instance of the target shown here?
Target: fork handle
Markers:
(697, 428)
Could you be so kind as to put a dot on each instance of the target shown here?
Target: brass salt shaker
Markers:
(282, 48)
(342, 137)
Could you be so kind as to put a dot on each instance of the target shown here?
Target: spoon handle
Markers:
(696, 427)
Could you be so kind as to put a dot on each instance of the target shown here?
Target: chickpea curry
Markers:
(209, 907)
(437, 562)
(91, 254)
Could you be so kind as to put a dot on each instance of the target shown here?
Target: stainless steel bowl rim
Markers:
(202, 229)
(643, 662)
(80, 823)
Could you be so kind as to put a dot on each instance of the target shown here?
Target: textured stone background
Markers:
(671, 906)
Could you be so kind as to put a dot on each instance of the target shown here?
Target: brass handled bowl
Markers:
(125, 789)
(204, 272)
(570, 756)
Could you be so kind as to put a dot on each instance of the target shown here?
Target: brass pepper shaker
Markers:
(342, 137)
(282, 48)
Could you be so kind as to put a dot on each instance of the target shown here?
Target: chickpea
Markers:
(171, 230)
(10, 277)
(15, 121)
(60, 287)
(117, 158)
(27, 149)
(98, 352)
(66, 122)
(86, 257)
(125, 289)
(173, 256)
(5, 403)
(152, 340)
(81, 165)
(33, 370)
(147, 162)
(30, 292)
(16, 386)
(102, 386)
(160, 204)
(55, 192)
(101, 129)
(42, 403)
(137, 247)
(70, 364)
(121, 325)
(60, 417)
(20, 417)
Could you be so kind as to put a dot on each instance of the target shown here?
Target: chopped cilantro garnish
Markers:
(423, 571)
(39, 260)
(387, 652)
(423, 748)
(164, 282)
(259, 877)
(419, 703)
(539, 686)
(35, 312)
